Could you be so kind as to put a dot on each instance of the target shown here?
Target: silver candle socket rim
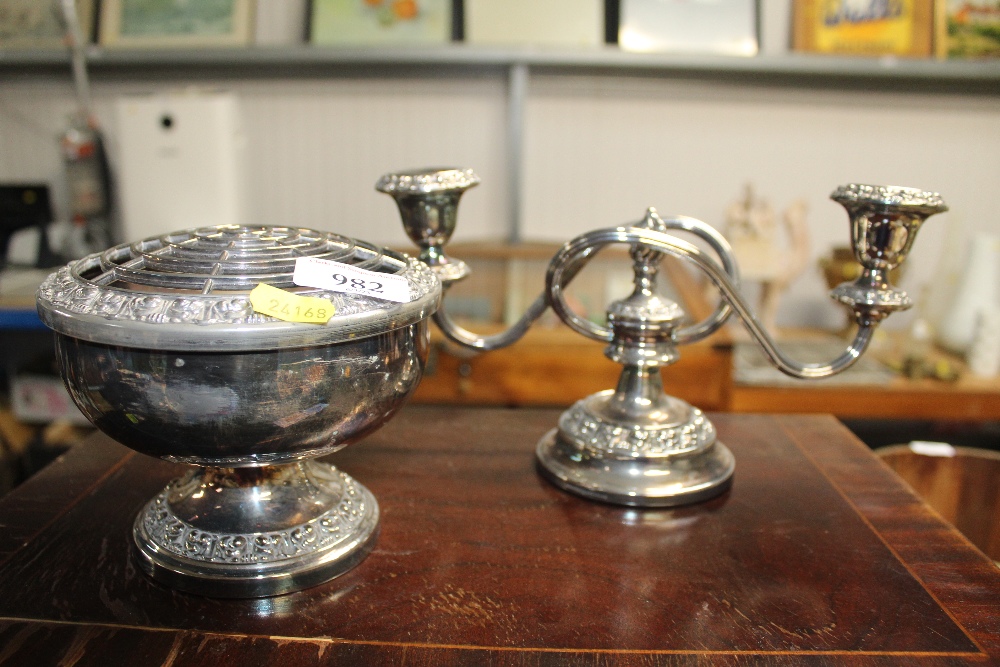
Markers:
(923, 201)
(423, 181)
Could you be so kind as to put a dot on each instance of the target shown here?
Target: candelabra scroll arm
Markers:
(652, 221)
(667, 244)
(515, 332)
(862, 339)
(884, 223)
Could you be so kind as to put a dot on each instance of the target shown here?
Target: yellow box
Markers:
(865, 27)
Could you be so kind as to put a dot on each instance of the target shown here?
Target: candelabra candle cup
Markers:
(160, 347)
(428, 204)
(884, 224)
(635, 445)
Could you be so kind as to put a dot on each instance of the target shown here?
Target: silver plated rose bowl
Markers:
(161, 349)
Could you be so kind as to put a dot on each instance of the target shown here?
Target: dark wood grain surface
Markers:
(818, 555)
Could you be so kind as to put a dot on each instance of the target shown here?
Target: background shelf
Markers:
(290, 61)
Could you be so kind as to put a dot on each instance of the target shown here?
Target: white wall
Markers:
(315, 147)
(598, 151)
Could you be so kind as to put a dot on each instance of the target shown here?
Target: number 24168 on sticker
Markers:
(290, 307)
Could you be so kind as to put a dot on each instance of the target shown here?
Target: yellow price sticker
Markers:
(290, 307)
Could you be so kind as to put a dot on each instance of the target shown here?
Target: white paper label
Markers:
(932, 448)
(337, 277)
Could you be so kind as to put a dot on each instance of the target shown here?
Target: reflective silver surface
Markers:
(239, 409)
(636, 445)
(189, 290)
(160, 348)
(428, 203)
(884, 224)
(255, 532)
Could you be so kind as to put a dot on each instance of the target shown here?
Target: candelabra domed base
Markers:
(656, 463)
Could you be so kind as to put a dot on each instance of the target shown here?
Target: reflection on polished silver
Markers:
(202, 528)
(160, 349)
(884, 224)
(203, 277)
(429, 201)
(635, 445)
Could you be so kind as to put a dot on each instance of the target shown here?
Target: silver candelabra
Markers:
(635, 445)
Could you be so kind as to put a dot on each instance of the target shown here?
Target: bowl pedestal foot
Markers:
(256, 532)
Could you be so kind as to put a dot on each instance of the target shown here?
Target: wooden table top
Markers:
(817, 556)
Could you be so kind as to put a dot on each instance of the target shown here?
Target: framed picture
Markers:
(727, 27)
(176, 23)
(552, 22)
(865, 28)
(380, 21)
(36, 24)
(967, 29)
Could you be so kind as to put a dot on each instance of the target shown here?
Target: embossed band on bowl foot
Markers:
(289, 528)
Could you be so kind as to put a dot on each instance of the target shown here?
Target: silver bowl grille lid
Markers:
(188, 290)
